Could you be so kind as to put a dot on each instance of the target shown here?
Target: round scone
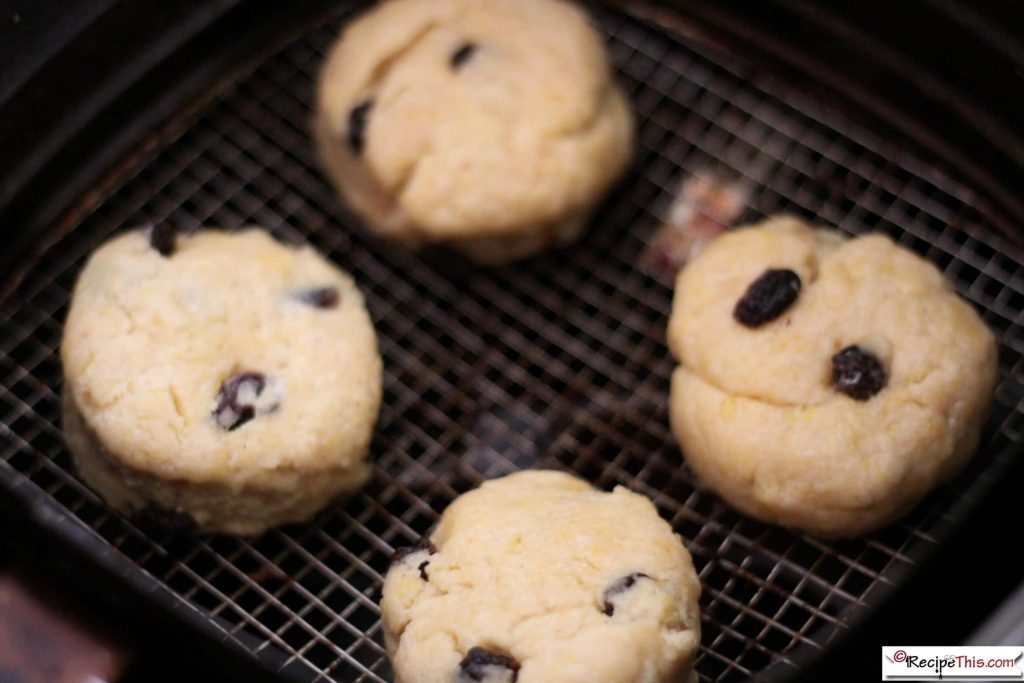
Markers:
(491, 125)
(825, 383)
(538, 577)
(223, 382)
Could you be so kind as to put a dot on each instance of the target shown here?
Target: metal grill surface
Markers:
(559, 361)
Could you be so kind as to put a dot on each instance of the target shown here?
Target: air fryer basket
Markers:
(556, 362)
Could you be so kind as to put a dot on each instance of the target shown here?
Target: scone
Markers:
(538, 577)
(491, 125)
(223, 382)
(825, 383)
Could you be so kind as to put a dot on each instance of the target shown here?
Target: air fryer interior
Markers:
(556, 362)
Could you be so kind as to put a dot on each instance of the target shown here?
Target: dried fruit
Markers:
(857, 373)
(357, 122)
(236, 400)
(619, 586)
(462, 55)
(163, 238)
(422, 545)
(483, 666)
(767, 297)
(320, 297)
(419, 546)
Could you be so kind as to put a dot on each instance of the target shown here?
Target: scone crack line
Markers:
(178, 410)
(111, 401)
(82, 368)
(586, 124)
(583, 561)
(905, 389)
(133, 328)
(401, 188)
(381, 72)
(772, 402)
(379, 76)
(427, 611)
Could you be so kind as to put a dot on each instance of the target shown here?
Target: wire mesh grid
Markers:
(559, 361)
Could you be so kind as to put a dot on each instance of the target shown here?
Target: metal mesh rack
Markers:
(559, 361)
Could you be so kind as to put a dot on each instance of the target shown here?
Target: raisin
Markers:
(619, 586)
(320, 297)
(857, 373)
(156, 518)
(421, 545)
(480, 666)
(463, 55)
(236, 401)
(767, 297)
(357, 122)
(163, 238)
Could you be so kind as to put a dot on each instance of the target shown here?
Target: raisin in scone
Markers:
(825, 383)
(538, 577)
(491, 125)
(223, 382)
